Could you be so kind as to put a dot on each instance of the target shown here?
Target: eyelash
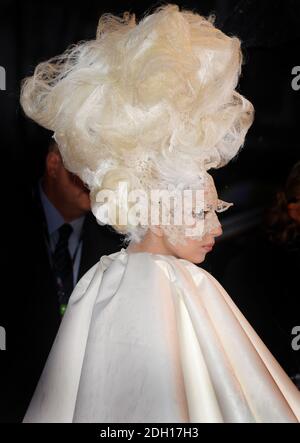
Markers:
(220, 208)
(199, 214)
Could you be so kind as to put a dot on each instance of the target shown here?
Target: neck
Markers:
(151, 243)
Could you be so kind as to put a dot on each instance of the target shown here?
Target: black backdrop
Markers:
(32, 31)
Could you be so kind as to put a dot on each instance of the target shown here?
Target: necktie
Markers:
(63, 266)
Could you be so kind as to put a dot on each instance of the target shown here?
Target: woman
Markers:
(147, 335)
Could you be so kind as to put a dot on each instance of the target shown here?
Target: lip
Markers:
(208, 247)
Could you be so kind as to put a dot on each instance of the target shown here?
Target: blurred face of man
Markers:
(66, 191)
(294, 210)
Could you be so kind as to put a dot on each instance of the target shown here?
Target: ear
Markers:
(157, 230)
(53, 163)
(294, 211)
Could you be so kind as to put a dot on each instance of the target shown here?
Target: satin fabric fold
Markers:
(152, 338)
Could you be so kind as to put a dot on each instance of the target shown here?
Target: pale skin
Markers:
(156, 242)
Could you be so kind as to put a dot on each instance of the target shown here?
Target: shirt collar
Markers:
(54, 218)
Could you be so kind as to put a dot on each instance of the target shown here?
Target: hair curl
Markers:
(157, 97)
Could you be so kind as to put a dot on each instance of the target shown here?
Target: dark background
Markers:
(32, 31)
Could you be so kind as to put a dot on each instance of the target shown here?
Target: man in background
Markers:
(63, 242)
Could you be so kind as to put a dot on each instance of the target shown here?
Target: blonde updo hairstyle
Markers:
(151, 103)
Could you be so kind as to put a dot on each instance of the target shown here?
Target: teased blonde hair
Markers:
(152, 103)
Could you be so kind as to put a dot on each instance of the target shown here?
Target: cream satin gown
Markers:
(152, 338)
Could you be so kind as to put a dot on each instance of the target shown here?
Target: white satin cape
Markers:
(152, 338)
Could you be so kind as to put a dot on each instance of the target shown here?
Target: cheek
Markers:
(212, 222)
(192, 250)
(66, 183)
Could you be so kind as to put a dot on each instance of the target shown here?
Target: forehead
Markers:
(210, 192)
(209, 184)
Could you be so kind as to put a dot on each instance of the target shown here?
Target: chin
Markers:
(197, 258)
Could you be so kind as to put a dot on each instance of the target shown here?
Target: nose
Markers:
(217, 231)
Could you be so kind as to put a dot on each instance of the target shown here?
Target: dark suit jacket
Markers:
(33, 306)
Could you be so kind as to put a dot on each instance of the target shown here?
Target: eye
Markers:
(200, 214)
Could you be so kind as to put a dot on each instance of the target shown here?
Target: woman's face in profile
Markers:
(195, 249)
